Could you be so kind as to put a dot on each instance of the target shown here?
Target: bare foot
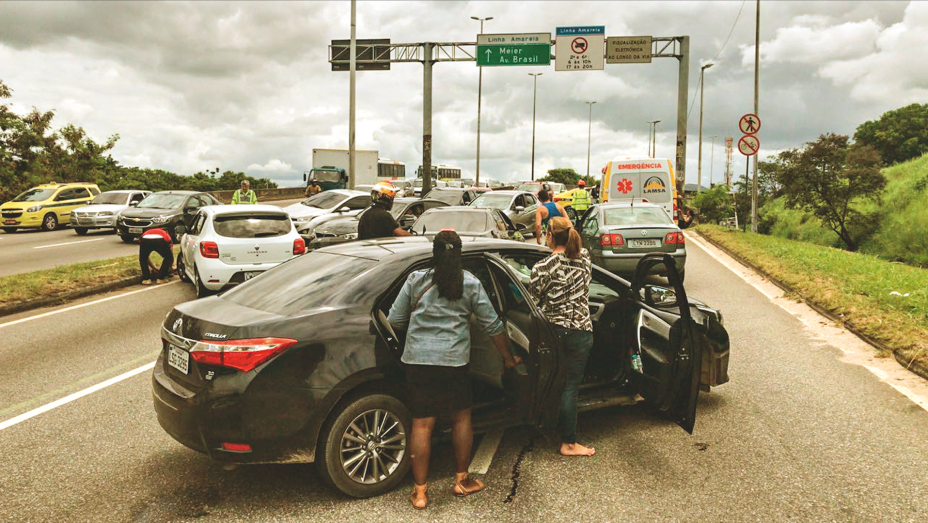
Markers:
(576, 449)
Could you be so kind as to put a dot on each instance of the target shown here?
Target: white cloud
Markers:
(72, 110)
(274, 166)
(816, 43)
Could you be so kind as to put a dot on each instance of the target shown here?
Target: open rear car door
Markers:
(666, 341)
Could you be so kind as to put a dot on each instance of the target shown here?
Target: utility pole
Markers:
(534, 99)
(479, 100)
(683, 75)
(427, 63)
(652, 138)
(756, 83)
(352, 67)
(589, 140)
(712, 160)
(702, 95)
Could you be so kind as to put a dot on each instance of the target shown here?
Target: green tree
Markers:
(714, 204)
(899, 135)
(567, 176)
(826, 176)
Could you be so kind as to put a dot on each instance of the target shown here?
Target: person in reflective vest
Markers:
(245, 194)
(581, 199)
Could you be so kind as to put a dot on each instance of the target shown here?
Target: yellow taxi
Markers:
(46, 206)
(566, 199)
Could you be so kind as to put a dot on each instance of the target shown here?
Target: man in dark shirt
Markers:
(377, 222)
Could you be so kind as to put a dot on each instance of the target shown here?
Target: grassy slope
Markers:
(857, 287)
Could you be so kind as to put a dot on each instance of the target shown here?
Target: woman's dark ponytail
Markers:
(447, 273)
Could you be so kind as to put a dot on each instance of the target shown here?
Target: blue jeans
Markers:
(577, 346)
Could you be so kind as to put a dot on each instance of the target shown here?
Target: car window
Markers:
(514, 299)
(529, 200)
(324, 200)
(492, 201)
(35, 195)
(162, 201)
(636, 216)
(460, 221)
(252, 225)
(590, 226)
(67, 194)
(113, 198)
(137, 197)
(198, 224)
(193, 203)
(203, 200)
(602, 288)
(359, 202)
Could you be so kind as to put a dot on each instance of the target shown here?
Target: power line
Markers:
(733, 25)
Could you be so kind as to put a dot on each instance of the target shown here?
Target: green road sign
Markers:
(514, 49)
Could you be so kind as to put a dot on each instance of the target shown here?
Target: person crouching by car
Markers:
(436, 305)
(155, 240)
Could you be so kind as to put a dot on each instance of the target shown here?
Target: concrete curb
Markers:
(917, 367)
(38, 303)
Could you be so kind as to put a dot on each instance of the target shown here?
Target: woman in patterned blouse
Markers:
(561, 283)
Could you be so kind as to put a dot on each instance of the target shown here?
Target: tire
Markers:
(202, 291)
(572, 214)
(127, 238)
(81, 231)
(358, 479)
(181, 270)
(49, 222)
(9, 230)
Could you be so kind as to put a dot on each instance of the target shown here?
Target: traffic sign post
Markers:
(748, 145)
(580, 48)
(749, 123)
(513, 49)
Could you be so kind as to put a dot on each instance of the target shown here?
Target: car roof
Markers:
(405, 246)
(612, 205)
(465, 208)
(508, 192)
(179, 192)
(233, 209)
(347, 192)
(124, 191)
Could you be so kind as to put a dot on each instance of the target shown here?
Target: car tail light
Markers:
(209, 250)
(299, 246)
(613, 240)
(674, 238)
(243, 355)
(236, 447)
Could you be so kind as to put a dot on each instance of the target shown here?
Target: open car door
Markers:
(670, 363)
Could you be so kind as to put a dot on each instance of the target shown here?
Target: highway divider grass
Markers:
(66, 279)
(883, 300)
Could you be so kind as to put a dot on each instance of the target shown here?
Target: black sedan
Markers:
(468, 221)
(161, 210)
(340, 230)
(300, 364)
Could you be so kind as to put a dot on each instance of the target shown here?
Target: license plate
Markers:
(250, 275)
(135, 230)
(9, 222)
(637, 244)
(178, 358)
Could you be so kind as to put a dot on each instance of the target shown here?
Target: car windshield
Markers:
(162, 201)
(529, 187)
(253, 225)
(327, 176)
(492, 201)
(449, 197)
(112, 198)
(460, 221)
(301, 284)
(636, 216)
(35, 195)
(324, 200)
(417, 183)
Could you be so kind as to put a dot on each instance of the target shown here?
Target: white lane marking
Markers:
(77, 395)
(484, 455)
(89, 303)
(68, 243)
(885, 369)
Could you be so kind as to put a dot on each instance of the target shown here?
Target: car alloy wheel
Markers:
(364, 450)
(50, 222)
(182, 269)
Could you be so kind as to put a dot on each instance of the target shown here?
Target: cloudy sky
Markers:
(247, 86)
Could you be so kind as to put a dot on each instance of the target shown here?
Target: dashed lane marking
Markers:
(485, 452)
(68, 243)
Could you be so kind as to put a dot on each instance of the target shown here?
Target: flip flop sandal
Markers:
(464, 491)
(414, 498)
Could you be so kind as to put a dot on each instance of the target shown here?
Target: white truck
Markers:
(330, 168)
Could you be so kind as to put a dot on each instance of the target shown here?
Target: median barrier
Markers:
(264, 195)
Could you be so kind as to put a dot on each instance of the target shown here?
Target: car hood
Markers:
(20, 205)
(298, 210)
(148, 213)
(112, 207)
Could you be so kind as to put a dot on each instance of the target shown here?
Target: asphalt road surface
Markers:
(812, 427)
(31, 249)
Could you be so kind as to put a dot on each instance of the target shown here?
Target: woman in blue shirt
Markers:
(436, 305)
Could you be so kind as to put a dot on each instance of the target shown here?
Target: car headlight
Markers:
(350, 236)
(161, 219)
(34, 208)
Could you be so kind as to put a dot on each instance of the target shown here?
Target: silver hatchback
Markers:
(618, 234)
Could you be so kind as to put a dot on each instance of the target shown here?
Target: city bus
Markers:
(440, 172)
(390, 169)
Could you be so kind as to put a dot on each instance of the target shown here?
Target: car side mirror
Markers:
(343, 209)
(190, 210)
(520, 208)
(179, 231)
(521, 227)
(133, 204)
(657, 296)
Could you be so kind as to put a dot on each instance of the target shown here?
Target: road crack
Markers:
(517, 469)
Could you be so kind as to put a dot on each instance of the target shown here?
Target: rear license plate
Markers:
(178, 358)
(638, 244)
(9, 222)
(250, 275)
(135, 230)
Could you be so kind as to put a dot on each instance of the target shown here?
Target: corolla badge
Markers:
(644, 233)
(177, 325)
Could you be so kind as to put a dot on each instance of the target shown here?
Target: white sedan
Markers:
(337, 202)
(230, 244)
(102, 211)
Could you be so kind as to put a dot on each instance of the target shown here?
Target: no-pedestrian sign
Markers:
(749, 124)
(580, 48)
(748, 145)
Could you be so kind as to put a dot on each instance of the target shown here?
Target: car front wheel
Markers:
(9, 230)
(126, 238)
(80, 230)
(364, 450)
(50, 222)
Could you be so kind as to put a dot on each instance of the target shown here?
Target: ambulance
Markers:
(636, 178)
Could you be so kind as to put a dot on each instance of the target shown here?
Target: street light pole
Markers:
(534, 99)
(712, 160)
(352, 65)
(479, 99)
(702, 94)
(652, 138)
(589, 139)
(756, 111)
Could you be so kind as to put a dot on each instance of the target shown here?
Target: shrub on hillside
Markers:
(899, 135)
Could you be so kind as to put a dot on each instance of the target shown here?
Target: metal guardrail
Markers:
(264, 194)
